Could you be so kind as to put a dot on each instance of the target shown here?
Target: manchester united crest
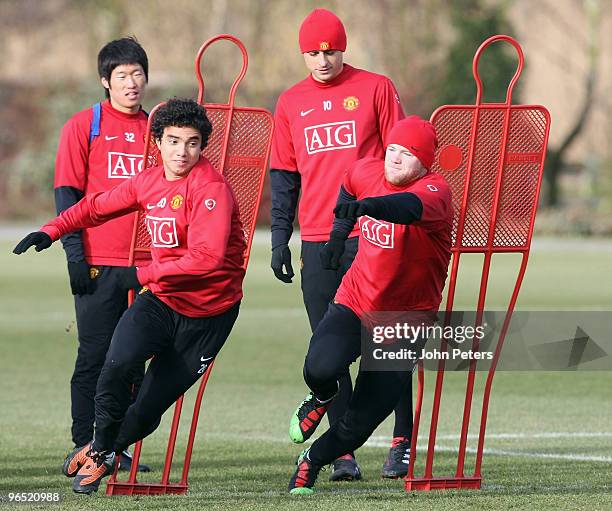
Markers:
(324, 46)
(177, 201)
(350, 103)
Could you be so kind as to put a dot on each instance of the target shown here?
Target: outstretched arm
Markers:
(398, 208)
(92, 210)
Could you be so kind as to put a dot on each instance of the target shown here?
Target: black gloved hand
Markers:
(353, 209)
(128, 279)
(38, 239)
(81, 282)
(281, 256)
(332, 252)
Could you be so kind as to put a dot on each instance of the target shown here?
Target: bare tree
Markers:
(555, 159)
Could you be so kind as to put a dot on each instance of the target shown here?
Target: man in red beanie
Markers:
(323, 124)
(405, 220)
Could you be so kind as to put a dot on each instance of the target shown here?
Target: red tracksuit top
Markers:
(113, 157)
(398, 267)
(197, 238)
(321, 129)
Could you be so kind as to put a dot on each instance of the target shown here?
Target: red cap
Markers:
(416, 135)
(322, 30)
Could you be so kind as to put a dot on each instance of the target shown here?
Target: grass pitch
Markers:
(549, 436)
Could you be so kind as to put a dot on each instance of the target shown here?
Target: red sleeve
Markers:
(283, 152)
(388, 107)
(207, 238)
(73, 153)
(435, 196)
(95, 209)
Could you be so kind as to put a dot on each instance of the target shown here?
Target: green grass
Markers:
(243, 458)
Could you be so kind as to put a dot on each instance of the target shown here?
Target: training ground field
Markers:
(549, 438)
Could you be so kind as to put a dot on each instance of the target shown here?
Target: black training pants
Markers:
(335, 344)
(183, 348)
(319, 287)
(97, 316)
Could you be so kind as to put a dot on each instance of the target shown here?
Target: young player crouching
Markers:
(194, 284)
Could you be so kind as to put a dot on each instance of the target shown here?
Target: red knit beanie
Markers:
(416, 135)
(322, 30)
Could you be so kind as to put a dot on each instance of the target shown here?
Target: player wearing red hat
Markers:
(193, 285)
(323, 124)
(405, 221)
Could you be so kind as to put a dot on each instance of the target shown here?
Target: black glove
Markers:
(281, 256)
(38, 239)
(332, 252)
(128, 279)
(353, 209)
(81, 282)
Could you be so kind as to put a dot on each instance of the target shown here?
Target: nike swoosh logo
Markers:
(304, 113)
(151, 207)
(106, 137)
(202, 359)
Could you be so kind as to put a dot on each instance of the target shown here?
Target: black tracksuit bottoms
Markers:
(97, 315)
(335, 344)
(182, 347)
(319, 287)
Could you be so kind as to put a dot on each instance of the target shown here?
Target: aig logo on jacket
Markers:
(331, 136)
(377, 232)
(162, 231)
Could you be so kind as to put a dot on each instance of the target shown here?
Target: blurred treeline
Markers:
(48, 72)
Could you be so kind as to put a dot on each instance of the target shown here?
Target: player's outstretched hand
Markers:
(128, 278)
(281, 257)
(352, 209)
(332, 252)
(37, 239)
(81, 282)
